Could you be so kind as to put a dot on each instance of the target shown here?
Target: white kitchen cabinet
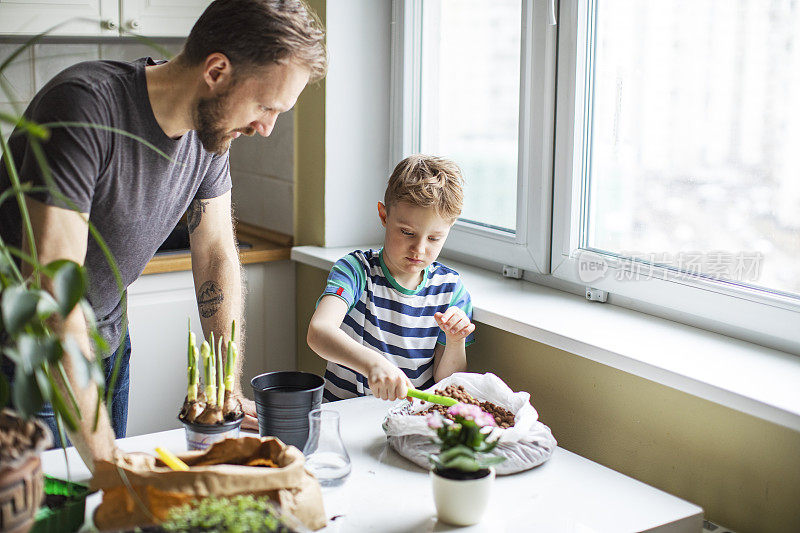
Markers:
(79, 17)
(158, 307)
(100, 18)
(160, 18)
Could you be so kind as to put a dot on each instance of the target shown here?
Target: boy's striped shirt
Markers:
(395, 321)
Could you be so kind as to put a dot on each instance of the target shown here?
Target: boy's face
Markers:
(414, 238)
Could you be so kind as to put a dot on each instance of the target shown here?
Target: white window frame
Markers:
(529, 247)
(550, 181)
(767, 318)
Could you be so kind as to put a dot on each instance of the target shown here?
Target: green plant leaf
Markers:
(27, 398)
(456, 451)
(18, 307)
(12, 354)
(35, 351)
(6, 266)
(83, 369)
(465, 464)
(69, 284)
(88, 312)
(23, 124)
(64, 412)
(67, 385)
(43, 384)
(46, 305)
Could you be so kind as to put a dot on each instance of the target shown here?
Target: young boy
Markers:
(394, 318)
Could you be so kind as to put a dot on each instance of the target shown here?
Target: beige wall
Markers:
(309, 164)
(310, 282)
(743, 471)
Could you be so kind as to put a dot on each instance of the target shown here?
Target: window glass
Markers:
(694, 145)
(470, 100)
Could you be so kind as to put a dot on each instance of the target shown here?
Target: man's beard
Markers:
(209, 119)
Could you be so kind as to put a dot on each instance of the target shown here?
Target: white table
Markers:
(387, 493)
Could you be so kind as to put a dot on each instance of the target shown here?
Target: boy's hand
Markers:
(386, 381)
(455, 323)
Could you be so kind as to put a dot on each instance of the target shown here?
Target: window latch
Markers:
(596, 295)
(512, 272)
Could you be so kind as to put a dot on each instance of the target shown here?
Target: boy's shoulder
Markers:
(363, 260)
(366, 257)
(439, 269)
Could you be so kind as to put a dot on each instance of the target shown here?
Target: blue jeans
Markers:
(119, 401)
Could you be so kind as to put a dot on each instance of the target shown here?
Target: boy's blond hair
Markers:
(427, 181)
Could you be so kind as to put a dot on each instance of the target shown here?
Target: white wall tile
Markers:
(247, 197)
(50, 59)
(134, 50)
(278, 205)
(273, 156)
(263, 201)
(18, 75)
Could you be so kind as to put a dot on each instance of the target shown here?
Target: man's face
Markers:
(249, 104)
(414, 238)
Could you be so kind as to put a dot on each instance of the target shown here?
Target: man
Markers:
(244, 62)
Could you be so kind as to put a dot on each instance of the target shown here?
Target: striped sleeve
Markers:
(461, 299)
(346, 280)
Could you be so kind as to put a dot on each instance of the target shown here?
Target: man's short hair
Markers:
(427, 181)
(256, 33)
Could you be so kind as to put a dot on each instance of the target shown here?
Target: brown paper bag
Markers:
(219, 471)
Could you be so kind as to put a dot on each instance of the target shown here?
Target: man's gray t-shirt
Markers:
(134, 195)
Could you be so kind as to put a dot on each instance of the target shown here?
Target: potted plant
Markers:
(27, 338)
(34, 297)
(214, 414)
(243, 513)
(462, 473)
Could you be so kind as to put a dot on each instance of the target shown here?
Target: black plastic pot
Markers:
(283, 401)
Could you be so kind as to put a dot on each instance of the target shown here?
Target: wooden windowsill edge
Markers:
(268, 246)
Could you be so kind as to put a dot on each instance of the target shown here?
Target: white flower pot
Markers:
(461, 502)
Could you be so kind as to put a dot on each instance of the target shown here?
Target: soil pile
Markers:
(502, 417)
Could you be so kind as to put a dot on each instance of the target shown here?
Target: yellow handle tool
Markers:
(171, 460)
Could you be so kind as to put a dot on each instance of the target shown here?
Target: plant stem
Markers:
(23, 208)
(209, 374)
(230, 359)
(220, 373)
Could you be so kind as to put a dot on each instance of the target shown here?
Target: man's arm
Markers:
(218, 280)
(63, 234)
(386, 381)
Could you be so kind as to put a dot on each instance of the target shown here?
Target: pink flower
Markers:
(434, 420)
(472, 412)
(485, 419)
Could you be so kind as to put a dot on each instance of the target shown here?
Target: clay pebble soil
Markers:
(502, 417)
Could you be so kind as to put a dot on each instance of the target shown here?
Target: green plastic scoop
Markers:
(433, 398)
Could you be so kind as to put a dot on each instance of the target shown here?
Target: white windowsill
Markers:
(759, 381)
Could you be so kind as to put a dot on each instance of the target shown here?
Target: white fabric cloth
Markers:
(525, 445)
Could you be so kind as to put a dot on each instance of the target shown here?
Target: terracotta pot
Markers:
(461, 502)
(22, 485)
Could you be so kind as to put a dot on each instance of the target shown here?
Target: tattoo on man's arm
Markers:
(195, 213)
(209, 299)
